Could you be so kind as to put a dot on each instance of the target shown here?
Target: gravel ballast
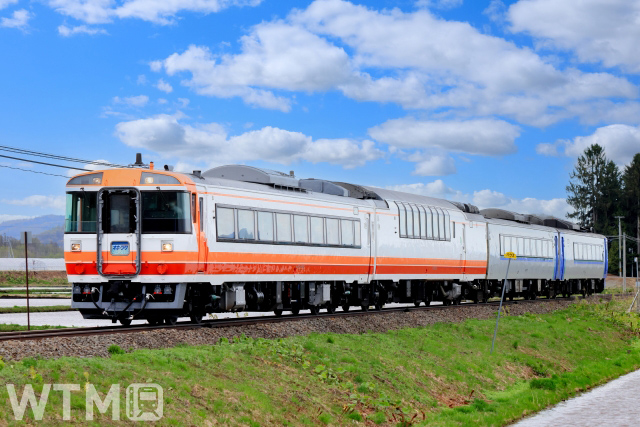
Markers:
(97, 345)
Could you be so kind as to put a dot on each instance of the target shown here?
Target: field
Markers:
(438, 375)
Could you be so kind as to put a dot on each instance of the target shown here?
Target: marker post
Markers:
(510, 256)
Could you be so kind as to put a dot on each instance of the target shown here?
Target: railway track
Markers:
(242, 321)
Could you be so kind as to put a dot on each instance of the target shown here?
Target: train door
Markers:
(118, 232)
(461, 237)
(203, 247)
(370, 225)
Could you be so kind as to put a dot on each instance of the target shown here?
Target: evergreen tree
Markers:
(594, 191)
(631, 179)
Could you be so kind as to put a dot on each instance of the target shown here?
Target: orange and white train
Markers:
(142, 243)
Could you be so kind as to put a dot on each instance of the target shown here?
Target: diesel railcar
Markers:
(143, 243)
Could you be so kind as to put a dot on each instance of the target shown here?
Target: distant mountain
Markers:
(47, 228)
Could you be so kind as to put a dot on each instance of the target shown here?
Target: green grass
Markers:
(440, 374)
(17, 278)
(44, 308)
(13, 327)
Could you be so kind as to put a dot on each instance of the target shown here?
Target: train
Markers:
(155, 244)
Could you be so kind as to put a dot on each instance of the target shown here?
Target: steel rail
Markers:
(242, 321)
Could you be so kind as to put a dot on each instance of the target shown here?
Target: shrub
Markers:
(543, 384)
(115, 349)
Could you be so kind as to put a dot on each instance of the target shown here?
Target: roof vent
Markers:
(322, 186)
(251, 174)
(506, 215)
(197, 174)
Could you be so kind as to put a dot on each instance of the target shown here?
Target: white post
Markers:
(504, 286)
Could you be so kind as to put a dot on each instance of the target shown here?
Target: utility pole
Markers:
(619, 245)
(624, 263)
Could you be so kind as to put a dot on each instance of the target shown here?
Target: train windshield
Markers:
(166, 212)
(81, 213)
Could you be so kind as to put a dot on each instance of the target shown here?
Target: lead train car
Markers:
(155, 244)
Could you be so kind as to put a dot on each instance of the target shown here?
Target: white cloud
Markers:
(160, 12)
(437, 189)
(132, 101)
(7, 217)
(488, 199)
(489, 137)
(19, 19)
(164, 86)
(494, 199)
(433, 163)
(620, 143)
(5, 3)
(210, 142)
(65, 31)
(604, 31)
(142, 79)
(56, 203)
(99, 164)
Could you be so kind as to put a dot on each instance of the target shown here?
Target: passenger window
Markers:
(447, 225)
(225, 223)
(283, 227)
(265, 226)
(245, 225)
(423, 223)
(409, 220)
(346, 226)
(441, 224)
(402, 219)
(333, 235)
(300, 229)
(193, 208)
(317, 230)
(416, 221)
(201, 217)
(357, 231)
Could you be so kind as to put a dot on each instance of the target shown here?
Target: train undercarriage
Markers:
(122, 300)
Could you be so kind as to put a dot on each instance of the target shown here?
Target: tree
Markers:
(595, 189)
(631, 179)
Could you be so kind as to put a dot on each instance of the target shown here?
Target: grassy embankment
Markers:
(54, 281)
(36, 309)
(438, 375)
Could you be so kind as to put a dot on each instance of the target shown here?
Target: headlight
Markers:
(148, 180)
(96, 180)
(167, 246)
(76, 247)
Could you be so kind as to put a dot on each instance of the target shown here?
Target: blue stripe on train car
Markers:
(606, 259)
(562, 259)
(529, 259)
(555, 265)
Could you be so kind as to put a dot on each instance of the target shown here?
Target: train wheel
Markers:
(365, 307)
(154, 321)
(125, 322)
(379, 306)
(196, 318)
(277, 312)
(171, 320)
(346, 307)
(427, 303)
(417, 303)
(331, 309)
(295, 311)
(314, 310)
(446, 302)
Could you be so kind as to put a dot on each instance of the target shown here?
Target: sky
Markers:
(485, 102)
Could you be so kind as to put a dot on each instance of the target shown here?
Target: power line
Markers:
(43, 163)
(27, 170)
(57, 157)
